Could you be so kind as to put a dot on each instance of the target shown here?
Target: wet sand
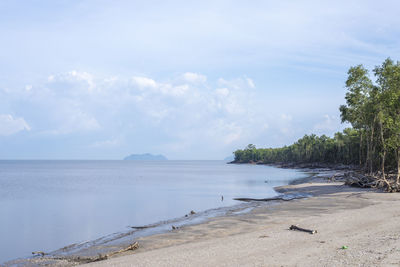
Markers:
(364, 220)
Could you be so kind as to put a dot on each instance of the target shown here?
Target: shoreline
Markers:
(231, 225)
(87, 251)
(341, 214)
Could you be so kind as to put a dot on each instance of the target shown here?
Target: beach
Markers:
(199, 133)
(355, 227)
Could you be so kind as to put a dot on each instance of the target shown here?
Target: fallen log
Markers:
(130, 247)
(38, 253)
(139, 227)
(387, 183)
(284, 198)
(294, 227)
(100, 257)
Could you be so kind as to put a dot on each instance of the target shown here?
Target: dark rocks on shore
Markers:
(317, 165)
(302, 165)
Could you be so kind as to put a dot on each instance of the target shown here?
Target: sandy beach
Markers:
(363, 220)
(199, 133)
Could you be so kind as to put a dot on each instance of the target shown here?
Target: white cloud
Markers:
(70, 122)
(176, 115)
(226, 130)
(77, 120)
(169, 89)
(222, 92)
(250, 82)
(286, 117)
(144, 82)
(328, 125)
(111, 143)
(194, 77)
(238, 83)
(78, 77)
(10, 125)
(83, 76)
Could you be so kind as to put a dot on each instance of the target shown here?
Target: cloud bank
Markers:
(185, 116)
(10, 125)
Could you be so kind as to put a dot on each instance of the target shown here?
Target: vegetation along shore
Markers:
(372, 144)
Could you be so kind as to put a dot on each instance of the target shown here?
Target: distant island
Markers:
(146, 156)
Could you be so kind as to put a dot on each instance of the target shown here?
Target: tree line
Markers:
(373, 143)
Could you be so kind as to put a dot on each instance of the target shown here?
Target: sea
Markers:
(46, 205)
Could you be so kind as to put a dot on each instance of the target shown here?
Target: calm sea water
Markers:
(45, 205)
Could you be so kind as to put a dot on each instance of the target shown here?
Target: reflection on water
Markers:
(48, 204)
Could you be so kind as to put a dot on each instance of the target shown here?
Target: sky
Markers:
(96, 79)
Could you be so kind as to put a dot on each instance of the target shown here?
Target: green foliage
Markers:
(343, 148)
(372, 108)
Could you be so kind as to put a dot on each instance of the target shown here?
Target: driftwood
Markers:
(359, 180)
(130, 247)
(100, 257)
(38, 253)
(139, 227)
(270, 199)
(294, 227)
(375, 180)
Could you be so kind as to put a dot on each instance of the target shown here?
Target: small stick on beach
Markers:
(294, 227)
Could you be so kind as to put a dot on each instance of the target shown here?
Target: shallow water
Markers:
(45, 205)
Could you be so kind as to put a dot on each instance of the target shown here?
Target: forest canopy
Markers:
(373, 143)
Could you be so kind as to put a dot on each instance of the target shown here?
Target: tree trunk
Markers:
(371, 153)
(383, 163)
(372, 147)
(367, 156)
(398, 165)
(360, 151)
(384, 150)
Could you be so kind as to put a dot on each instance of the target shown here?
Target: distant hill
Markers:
(146, 156)
(230, 158)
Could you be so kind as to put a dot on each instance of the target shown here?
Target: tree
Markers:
(373, 109)
(357, 109)
(388, 79)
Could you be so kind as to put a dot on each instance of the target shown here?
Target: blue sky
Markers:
(187, 79)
